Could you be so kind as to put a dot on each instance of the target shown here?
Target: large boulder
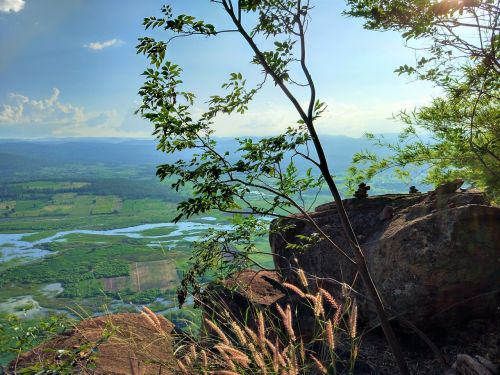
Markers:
(110, 344)
(434, 257)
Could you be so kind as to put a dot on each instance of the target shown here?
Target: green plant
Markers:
(18, 335)
(270, 343)
(224, 181)
(457, 134)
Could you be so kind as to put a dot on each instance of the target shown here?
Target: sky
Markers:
(69, 69)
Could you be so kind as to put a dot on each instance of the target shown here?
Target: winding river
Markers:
(12, 246)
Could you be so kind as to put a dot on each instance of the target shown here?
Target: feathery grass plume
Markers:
(251, 347)
(259, 361)
(302, 278)
(276, 357)
(302, 351)
(330, 338)
(226, 372)
(281, 312)
(182, 367)
(276, 353)
(193, 351)
(288, 323)
(329, 298)
(153, 316)
(149, 319)
(270, 344)
(286, 316)
(239, 333)
(319, 365)
(204, 359)
(346, 291)
(217, 330)
(187, 360)
(310, 297)
(353, 319)
(261, 330)
(318, 305)
(294, 368)
(337, 316)
(252, 334)
(294, 289)
(227, 360)
(236, 355)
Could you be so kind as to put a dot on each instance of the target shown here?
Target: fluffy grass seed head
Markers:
(319, 365)
(302, 277)
(318, 305)
(330, 338)
(329, 298)
(353, 319)
(294, 289)
(218, 331)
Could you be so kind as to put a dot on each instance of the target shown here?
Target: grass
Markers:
(51, 185)
(86, 264)
(272, 340)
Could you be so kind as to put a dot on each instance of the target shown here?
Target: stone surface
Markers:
(133, 341)
(467, 365)
(437, 260)
(249, 292)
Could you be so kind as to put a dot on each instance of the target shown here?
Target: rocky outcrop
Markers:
(240, 298)
(111, 344)
(468, 365)
(434, 257)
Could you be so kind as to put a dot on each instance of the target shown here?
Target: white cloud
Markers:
(96, 46)
(341, 118)
(29, 117)
(11, 5)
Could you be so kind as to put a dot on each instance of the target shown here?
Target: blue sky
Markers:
(69, 68)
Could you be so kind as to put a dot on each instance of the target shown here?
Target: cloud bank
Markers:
(96, 46)
(28, 117)
(14, 6)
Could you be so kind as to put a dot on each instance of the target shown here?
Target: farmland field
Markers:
(77, 247)
(98, 237)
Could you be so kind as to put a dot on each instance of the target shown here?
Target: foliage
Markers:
(457, 134)
(270, 341)
(19, 335)
(266, 165)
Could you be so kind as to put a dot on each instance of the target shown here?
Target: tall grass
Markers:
(313, 334)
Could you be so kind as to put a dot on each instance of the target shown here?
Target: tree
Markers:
(264, 166)
(457, 134)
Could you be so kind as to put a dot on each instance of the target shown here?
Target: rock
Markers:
(386, 214)
(495, 369)
(241, 297)
(362, 191)
(133, 341)
(467, 365)
(434, 262)
(413, 190)
(449, 187)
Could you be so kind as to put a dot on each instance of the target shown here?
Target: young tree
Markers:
(266, 166)
(460, 54)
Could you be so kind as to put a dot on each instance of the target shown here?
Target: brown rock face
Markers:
(134, 345)
(435, 259)
(240, 299)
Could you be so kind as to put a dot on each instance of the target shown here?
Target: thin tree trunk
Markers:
(346, 225)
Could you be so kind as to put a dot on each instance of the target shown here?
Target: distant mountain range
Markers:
(114, 151)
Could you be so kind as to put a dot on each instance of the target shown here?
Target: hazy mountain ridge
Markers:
(115, 151)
